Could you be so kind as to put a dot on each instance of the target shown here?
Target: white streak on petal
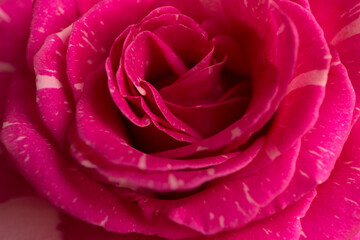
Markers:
(246, 3)
(141, 91)
(315, 153)
(211, 171)
(325, 150)
(248, 196)
(4, 16)
(89, 43)
(281, 29)
(85, 33)
(222, 221)
(88, 164)
(240, 209)
(236, 132)
(102, 224)
(303, 234)
(7, 124)
(333, 64)
(201, 148)
(142, 162)
(173, 182)
(272, 151)
(304, 174)
(267, 231)
(20, 138)
(346, 32)
(350, 200)
(356, 168)
(45, 81)
(64, 34)
(351, 10)
(79, 86)
(314, 77)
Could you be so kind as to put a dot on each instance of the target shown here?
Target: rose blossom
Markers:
(164, 119)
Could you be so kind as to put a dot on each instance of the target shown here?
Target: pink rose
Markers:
(191, 119)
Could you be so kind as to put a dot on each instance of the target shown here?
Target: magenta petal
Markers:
(25, 215)
(340, 21)
(48, 18)
(96, 119)
(283, 225)
(87, 51)
(85, 5)
(319, 149)
(306, 91)
(167, 181)
(357, 237)
(182, 92)
(303, 3)
(148, 54)
(269, 88)
(336, 212)
(236, 61)
(54, 98)
(58, 179)
(211, 119)
(232, 204)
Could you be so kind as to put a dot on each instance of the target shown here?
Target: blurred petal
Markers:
(14, 25)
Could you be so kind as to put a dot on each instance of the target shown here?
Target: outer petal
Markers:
(335, 212)
(48, 18)
(21, 206)
(284, 225)
(322, 145)
(53, 95)
(340, 21)
(60, 180)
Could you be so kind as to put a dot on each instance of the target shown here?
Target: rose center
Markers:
(185, 79)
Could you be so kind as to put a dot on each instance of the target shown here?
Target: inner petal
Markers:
(210, 119)
(149, 58)
(189, 44)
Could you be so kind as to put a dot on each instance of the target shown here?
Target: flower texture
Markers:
(191, 119)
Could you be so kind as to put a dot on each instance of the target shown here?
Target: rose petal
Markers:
(267, 93)
(305, 93)
(319, 148)
(54, 176)
(210, 119)
(21, 206)
(339, 21)
(308, 83)
(338, 215)
(48, 18)
(86, 50)
(234, 203)
(54, 98)
(283, 225)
